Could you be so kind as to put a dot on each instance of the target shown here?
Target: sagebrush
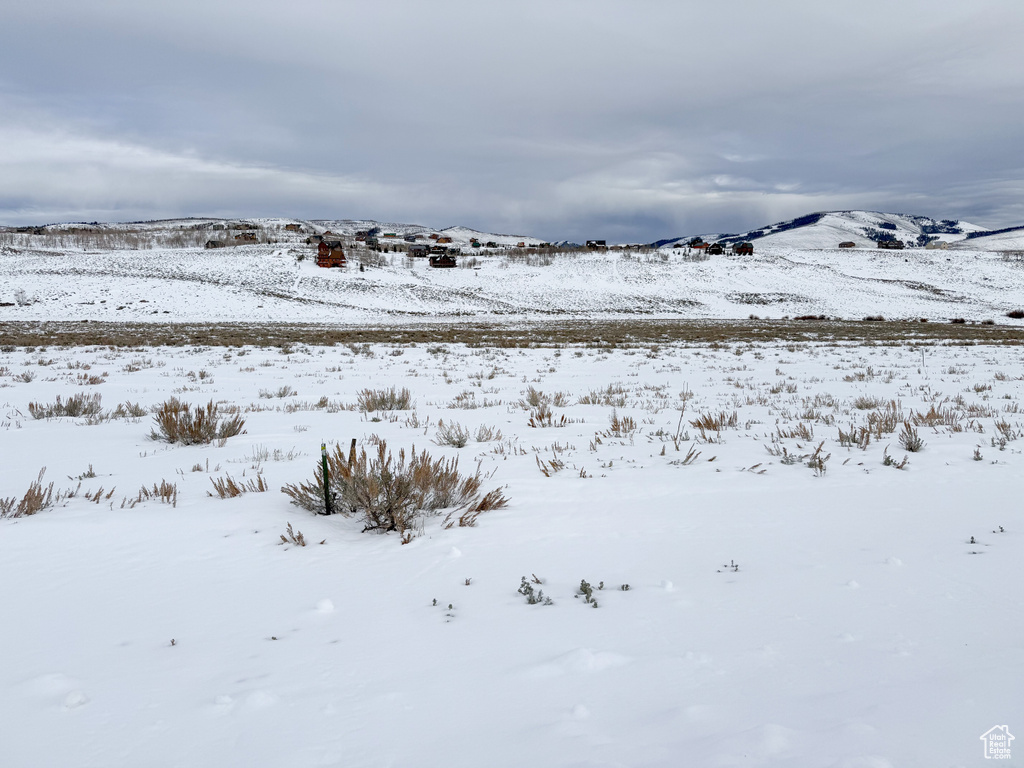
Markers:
(390, 493)
(177, 422)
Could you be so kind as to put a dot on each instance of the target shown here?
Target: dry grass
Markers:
(485, 434)
(291, 536)
(715, 422)
(385, 400)
(542, 416)
(600, 334)
(228, 488)
(37, 498)
(177, 423)
(75, 406)
(620, 426)
(165, 493)
(390, 494)
(613, 395)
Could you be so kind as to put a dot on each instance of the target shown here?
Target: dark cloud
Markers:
(563, 120)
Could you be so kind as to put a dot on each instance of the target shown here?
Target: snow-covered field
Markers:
(267, 282)
(781, 610)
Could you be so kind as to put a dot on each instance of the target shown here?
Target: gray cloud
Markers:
(563, 120)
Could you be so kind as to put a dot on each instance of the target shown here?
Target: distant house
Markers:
(891, 245)
(697, 242)
(490, 244)
(597, 245)
(443, 261)
(419, 250)
(433, 237)
(475, 244)
(743, 249)
(848, 244)
(411, 238)
(715, 249)
(521, 244)
(390, 235)
(314, 239)
(215, 244)
(444, 239)
(371, 242)
(329, 253)
(937, 245)
(249, 237)
(293, 227)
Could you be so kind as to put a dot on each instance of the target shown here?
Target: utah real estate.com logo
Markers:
(997, 742)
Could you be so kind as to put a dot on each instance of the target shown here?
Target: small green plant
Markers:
(452, 433)
(889, 461)
(588, 592)
(909, 439)
(533, 597)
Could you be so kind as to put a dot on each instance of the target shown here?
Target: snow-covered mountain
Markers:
(864, 228)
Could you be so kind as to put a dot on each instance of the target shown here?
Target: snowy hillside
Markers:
(864, 228)
(269, 282)
(1011, 239)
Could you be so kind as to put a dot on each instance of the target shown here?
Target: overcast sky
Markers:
(561, 119)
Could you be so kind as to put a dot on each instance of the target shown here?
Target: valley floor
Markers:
(803, 590)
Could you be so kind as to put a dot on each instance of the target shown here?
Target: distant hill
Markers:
(864, 228)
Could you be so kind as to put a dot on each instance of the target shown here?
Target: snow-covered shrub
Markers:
(391, 494)
(533, 597)
(74, 407)
(910, 440)
(452, 433)
(177, 423)
(21, 298)
(385, 400)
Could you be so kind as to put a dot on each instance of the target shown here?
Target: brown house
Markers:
(443, 261)
(293, 227)
(743, 249)
(444, 239)
(247, 237)
(715, 249)
(891, 245)
(848, 244)
(330, 254)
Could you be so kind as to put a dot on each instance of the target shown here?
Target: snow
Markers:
(773, 617)
(269, 282)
